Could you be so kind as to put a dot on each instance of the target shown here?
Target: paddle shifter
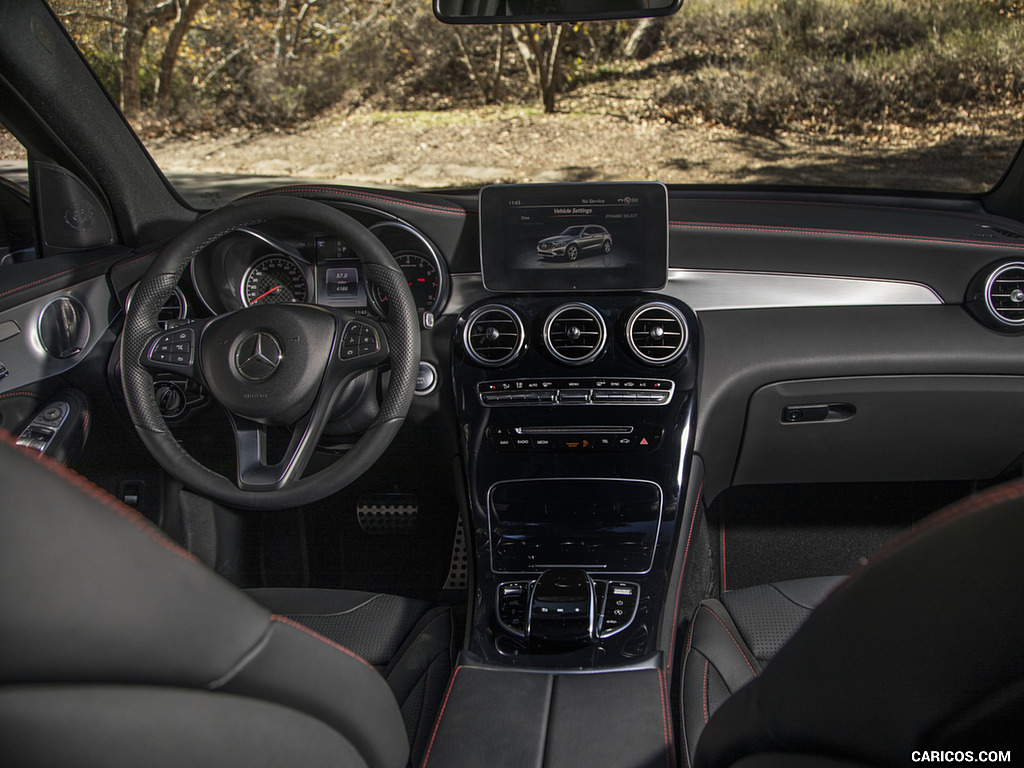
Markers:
(561, 609)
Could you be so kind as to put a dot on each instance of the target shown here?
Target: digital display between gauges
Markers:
(274, 280)
(424, 281)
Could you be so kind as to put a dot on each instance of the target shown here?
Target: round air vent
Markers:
(493, 335)
(574, 334)
(656, 333)
(1004, 294)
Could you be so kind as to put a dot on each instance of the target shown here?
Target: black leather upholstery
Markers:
(508, 718)
(409, 643)
(917, 651)
(98, 608)
(731, 640)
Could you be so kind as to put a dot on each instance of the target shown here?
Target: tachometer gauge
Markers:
(274, 280)
(424, 281)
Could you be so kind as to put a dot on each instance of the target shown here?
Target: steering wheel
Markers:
(271, 365)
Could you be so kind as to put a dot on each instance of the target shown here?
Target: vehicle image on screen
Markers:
(577, 241)
(327, 437)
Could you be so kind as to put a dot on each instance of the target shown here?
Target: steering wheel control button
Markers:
(358, 340)
(258, 356)
(176, 347)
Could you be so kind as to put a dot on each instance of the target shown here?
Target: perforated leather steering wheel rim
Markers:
(401, 329)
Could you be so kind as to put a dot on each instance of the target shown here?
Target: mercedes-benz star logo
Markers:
(258, 356)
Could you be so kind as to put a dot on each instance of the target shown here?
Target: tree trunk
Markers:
(281, 33)
(646, 38)
(135, 28)
(297, 31)
(186, 15)
(540, 47)
(499, 65)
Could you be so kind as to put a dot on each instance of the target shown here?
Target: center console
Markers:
(575, 388)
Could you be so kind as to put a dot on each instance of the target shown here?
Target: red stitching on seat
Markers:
(682, 574)
(705, 694)
(664, 721)
(971, 505)
(738, 648)
(437, 725)
(98, 494)
(321, 638)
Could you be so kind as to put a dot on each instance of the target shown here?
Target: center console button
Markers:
(573, 396)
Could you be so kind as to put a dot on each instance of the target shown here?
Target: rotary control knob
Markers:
(170, 399)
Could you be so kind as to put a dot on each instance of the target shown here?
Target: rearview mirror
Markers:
(545, 11)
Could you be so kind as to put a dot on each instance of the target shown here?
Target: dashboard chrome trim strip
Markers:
(713, 290)
(707, 290)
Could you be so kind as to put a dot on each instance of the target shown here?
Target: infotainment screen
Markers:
(574, 237)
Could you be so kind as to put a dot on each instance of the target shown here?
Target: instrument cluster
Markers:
(278, 263)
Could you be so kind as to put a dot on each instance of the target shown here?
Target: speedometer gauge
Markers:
(424, 281)
(274, 280)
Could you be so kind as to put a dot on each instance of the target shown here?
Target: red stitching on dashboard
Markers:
(437, 725)
(738, 648)
(137, 259)
(873, 206)
(21, 394)
(840, 232)
(54, 276)
(366, 195)
(682, 574)
(321, 638)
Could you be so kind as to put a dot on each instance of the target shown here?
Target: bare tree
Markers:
(187, 11)
(645, 38)
(540, 47)
(489, 85)
(139, 19)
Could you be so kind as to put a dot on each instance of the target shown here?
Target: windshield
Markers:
(881, 94)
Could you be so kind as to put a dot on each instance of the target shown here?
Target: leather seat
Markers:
(732, 639)
(919, 650)
(118, 648)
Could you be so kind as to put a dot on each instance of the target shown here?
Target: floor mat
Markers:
(774, 533)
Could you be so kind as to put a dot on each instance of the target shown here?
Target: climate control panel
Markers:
(576, 391)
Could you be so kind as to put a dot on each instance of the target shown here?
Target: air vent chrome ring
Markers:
(1004, 294)
(493, 335)
(656, 333)
(575, 333)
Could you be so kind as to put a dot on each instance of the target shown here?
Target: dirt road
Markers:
(486, 145)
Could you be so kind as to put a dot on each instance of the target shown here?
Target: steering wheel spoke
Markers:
(255, 473)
